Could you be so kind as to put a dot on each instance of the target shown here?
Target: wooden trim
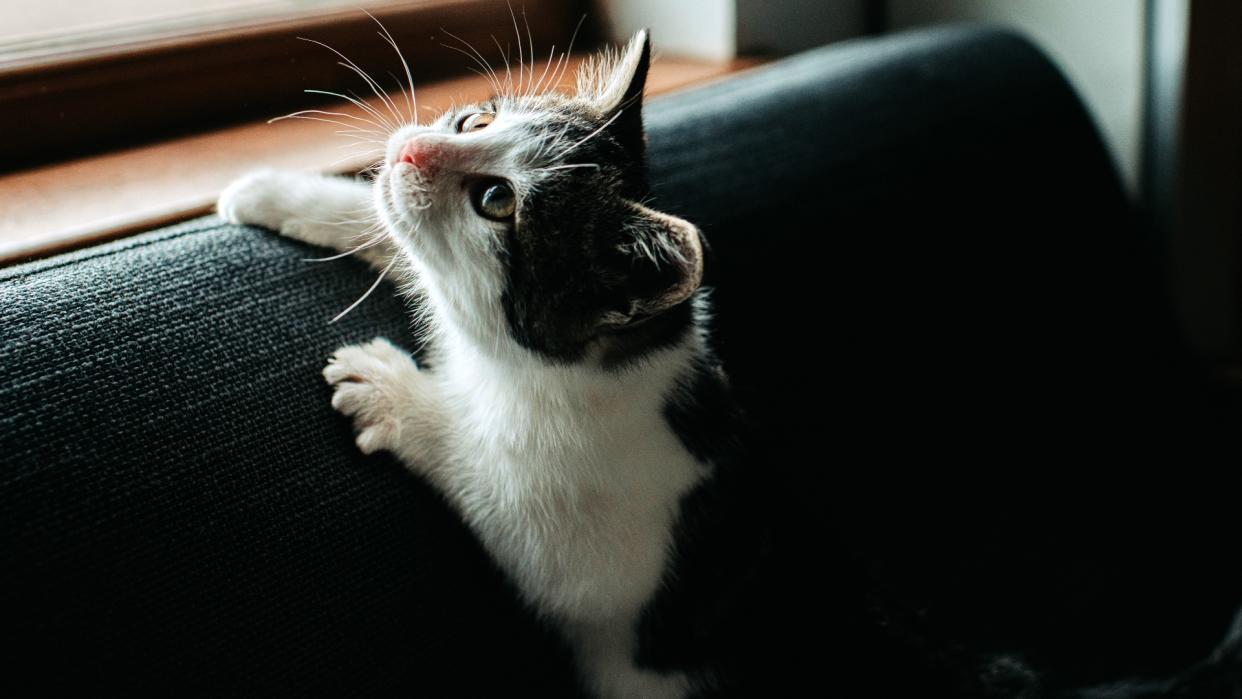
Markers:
(1206, 244)
(59, 207)
(158, 88)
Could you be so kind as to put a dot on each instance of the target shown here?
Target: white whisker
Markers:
(504, 54)
(367, 101)
(380, 144)
(353, 156)
(371, 219)
(326, 121)
(354, 305)
(476, 57)
(375, 87)
(569, 51)
(566, 167)
(301, 113)
(409, 104)
(411, 97)
(357, 103)
(530, 45)
(521, 56)
(589, 136)
(358, 140)
(538, 88)
(495, 85)
(371, 243)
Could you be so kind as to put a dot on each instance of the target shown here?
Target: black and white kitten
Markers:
(574, 414)
(565, 329)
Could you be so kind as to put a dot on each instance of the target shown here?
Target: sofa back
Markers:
(919, 244)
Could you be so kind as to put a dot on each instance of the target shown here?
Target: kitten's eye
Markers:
(475, 122)
(494, 199)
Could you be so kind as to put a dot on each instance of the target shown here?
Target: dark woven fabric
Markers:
(183, 511)
(926, 289)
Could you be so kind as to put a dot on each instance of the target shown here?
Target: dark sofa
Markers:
(974, 424)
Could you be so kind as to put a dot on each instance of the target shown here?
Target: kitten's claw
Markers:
(371, 384)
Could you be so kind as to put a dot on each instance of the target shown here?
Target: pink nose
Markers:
(420, 154)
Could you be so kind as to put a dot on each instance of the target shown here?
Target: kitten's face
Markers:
(522, 215)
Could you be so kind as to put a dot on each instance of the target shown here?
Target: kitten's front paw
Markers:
(259, 198)
(373, 384)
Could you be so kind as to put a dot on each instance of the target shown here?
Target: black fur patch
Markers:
(573, 279)
(564, 255)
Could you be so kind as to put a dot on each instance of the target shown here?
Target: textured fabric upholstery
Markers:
(926, 285)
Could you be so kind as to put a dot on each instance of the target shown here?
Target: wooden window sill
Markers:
(56, 208)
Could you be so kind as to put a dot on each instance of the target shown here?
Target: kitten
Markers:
(573, 413)
(566, 333)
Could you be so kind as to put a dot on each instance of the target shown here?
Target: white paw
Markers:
(372, 383)
(260, 198)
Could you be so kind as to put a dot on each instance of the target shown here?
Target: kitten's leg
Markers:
(394, 404)
(334, 212)
(605, 652)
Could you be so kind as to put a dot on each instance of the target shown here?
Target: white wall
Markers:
(1098, 43)
(720, 29)
(692, 28)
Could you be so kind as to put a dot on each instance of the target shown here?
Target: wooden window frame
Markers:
(94, 102)
(83, 199)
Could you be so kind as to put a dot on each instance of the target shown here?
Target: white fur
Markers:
(569, 476)
(568, 473)
(605, 77)
(332, 212)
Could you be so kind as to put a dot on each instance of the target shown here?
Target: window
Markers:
(96, 84)
(43, 32)
(113, 132)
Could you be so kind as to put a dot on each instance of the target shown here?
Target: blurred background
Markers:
(1162, 79)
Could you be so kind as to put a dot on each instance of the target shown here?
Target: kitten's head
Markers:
(524, 216)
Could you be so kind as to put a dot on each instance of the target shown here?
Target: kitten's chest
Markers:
(619, 462)
(579, 499)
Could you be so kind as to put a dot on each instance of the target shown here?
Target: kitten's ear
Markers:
(664, 259)
(611, 81)
(614, 83)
